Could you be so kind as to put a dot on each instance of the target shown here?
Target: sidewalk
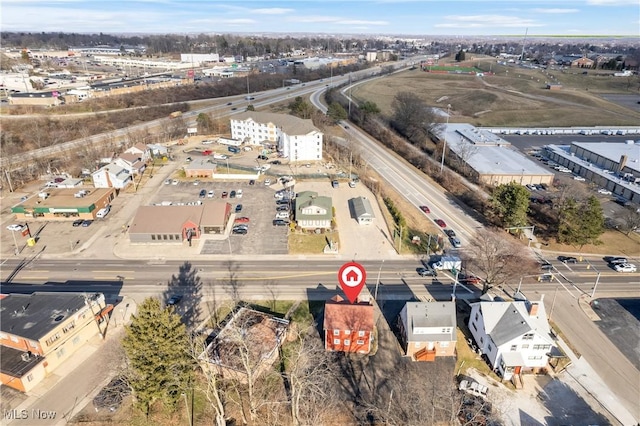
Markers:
(582, 372)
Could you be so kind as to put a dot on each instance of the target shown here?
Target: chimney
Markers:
(533, 309)
(622, 164)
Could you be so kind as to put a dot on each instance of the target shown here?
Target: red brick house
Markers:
(348, 327)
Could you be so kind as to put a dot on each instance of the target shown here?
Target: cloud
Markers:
(487, 21)
(271, 11)
(612, 2)
(540, 10)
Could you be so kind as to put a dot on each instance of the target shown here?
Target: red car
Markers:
(224, 194)
(242, 219)
(425, 209)
(441, 223)
(468, 279)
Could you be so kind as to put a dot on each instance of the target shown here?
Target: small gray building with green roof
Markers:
(313, 211)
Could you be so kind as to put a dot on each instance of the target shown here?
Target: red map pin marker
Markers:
(352, 278)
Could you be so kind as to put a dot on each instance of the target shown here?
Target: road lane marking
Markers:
(281, 277)
(114, 278)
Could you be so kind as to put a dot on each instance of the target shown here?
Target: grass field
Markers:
(511, 97)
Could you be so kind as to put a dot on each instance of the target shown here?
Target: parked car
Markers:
(425, 209)
(241, 226)
(252, 182)
(77, 222)
(240, 231)
(167, 182)
(211, 194)
(276, 162)
(174, 182)
(232, 194)
(625, 267)
(15, 227)
(225, 194)
(242, 219)
(441, 223)
(238, 208)
(267, 182)
(579, 178)
(335, 183)
(604, 191)
(86, 223)
(352, 184)
(282, 208)
(426, 272)
(282, 202)
(280, 222)
(196, 182)
(203, 193)
(263, 157)
(239, 193)
(567, 259)
(174, 300)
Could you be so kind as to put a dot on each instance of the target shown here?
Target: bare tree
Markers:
(211, 385)
(630, 219)
(311, 381)
(497, 258)
(233, 285)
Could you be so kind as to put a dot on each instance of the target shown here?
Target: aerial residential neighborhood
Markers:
(335, 229)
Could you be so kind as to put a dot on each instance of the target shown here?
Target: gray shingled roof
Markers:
(362, 206)
(311, 198)
(290, 125)
(428, 315)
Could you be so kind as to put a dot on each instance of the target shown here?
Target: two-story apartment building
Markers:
(296, 139)
(428, 329)
(39, 331)
(313, 211)
(348, 327)
(515, 336)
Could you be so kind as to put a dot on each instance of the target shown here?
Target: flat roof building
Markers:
(64, 204)
(175, 224)
(490, 159)
(613, 166)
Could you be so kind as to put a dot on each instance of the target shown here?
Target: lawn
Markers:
(310, 243)
(509, 97)
(613, 243)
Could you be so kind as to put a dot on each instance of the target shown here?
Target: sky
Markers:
(376, 17)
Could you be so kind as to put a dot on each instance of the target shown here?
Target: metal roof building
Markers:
(490, 158)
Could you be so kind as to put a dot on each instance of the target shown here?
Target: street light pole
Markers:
(378, 280)
(596, 285)
(15, 243)
(444, 144)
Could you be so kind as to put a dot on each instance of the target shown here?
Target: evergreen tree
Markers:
(510, 203)
(157, 347)
(580, 223)
(336, 112)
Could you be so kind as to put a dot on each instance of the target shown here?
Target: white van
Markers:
(103, 212)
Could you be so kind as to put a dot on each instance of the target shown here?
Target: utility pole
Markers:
(596, 285)
(553, 303)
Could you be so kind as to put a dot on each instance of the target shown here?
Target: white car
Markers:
(207, 142)
(604, 191)
(579, 178)
(15, 227)
(167, 182)
(625, 267)
(239, 193)
(267, 182)
(174, 182)
(211, 194)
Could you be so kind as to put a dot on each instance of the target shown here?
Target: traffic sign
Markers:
(352, 277)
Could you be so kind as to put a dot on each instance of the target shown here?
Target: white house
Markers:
(141, 150)
(313, 211)
(158, 150)
(297, 139)
(111, 176)
(131, 162)
(515, 336)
